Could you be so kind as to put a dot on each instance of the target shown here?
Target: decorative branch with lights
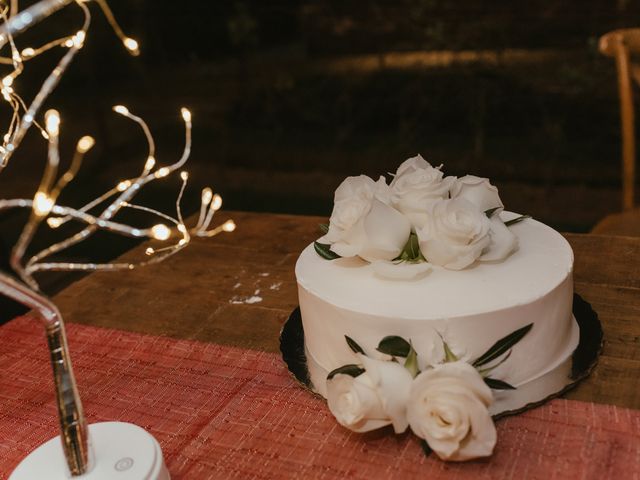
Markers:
(17, 23)
(44, 206)
(97, 215)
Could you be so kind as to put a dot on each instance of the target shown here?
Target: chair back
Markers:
(621, 45)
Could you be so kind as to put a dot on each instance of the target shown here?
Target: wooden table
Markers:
(203, 293)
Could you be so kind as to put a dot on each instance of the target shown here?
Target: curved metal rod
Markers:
(73, 425)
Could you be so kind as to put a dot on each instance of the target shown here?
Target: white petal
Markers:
(400, 271)
(386, 231)
(478, 191)
(503, 241)
(393, 383)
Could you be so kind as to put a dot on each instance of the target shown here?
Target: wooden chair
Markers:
(621, 45)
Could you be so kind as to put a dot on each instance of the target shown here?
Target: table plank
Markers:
(206, 293)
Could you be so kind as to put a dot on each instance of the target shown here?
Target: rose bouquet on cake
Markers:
(420, 219)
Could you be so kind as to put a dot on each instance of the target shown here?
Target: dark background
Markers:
(289, 97)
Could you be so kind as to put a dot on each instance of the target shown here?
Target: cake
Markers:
(429, 275)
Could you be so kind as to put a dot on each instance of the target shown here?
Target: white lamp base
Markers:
(120, 450)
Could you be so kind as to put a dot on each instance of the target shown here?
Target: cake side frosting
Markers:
(469, 309)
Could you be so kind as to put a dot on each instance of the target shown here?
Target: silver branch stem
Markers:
(73, 426)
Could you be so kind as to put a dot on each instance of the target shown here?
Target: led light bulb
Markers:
(207, 194)
(78, 38)
(184, 175)
(85, 144)
(121, 109)
(229, 226)
(150, 163)
(52, 122)
(163, 172)
(149, 251)
(7, 81)
(216, 203)
(123, 185)
(54, 222)
(42, 204)
(131, 45)
(186, 114)
(160, 232)
(28, 52)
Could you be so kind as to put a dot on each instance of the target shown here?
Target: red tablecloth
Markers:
(221, 412)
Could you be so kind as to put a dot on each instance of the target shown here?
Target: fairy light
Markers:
(206, 196)
(52, 122)
(162, 172)
(229, 226)
(123, 185)
(85, 144)
(7, 81)
(186, 114)
(78, 39)
(216, 203)
(54, 222)
(184, 175)
(131, 45)
(121, 109)
(160, 232)
(150, 163)
(42, 204)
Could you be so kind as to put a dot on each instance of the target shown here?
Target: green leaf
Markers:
(352, 370)
(324, 228)
(394, 346)
(496, 384)
(449, 356)
(425, 448)
(411, 363)
(502, 345)
(411, 251)
(353, 345)
(489, 213)
(485, 371)
(513, 221)
(324, 251)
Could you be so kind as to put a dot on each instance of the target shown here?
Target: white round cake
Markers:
(469, 309)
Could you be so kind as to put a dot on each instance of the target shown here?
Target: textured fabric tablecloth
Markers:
(221, 412)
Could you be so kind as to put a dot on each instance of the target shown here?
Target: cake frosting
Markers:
(426, 305)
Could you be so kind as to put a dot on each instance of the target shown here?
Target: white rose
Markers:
(448, 407)
(478, 191)
(455, 234)
(415, 185)
(363, 224)
(374, 399)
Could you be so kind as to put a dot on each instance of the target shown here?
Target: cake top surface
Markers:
(542, 260)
